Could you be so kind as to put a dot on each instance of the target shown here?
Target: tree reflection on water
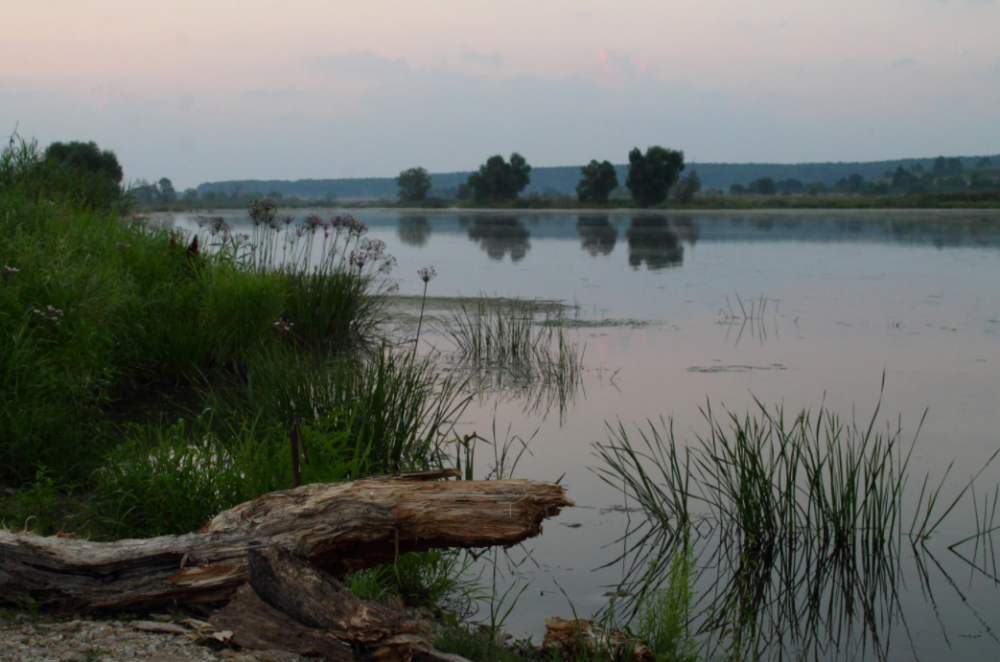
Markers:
(499, 235)
(598, 235)
(650, 240)
(413, 230)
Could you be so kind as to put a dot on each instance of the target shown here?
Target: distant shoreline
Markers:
(964, 200)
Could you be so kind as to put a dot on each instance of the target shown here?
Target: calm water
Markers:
(849, 295)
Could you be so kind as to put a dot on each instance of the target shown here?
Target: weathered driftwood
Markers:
(259, 626)
(290, 604)
(579, 638)
(339, 527)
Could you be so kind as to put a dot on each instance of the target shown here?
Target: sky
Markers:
(267, 89)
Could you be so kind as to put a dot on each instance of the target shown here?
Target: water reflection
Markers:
(498, 235)
(687, 229)
(597, 234)
(413, 230)
(651, 241)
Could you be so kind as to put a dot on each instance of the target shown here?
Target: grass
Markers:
(801, 521)
(233, 343)
(503, 340)
(663, 614)
(151, 378)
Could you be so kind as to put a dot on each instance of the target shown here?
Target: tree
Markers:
(791, 185)
(651, 176)
(86, 156)
(413, 185)
(687, 187)
(498, 180)
(597, 181)
(737, 189)
(167, 192)
(984, 162)
(944, 167)
(763, 186)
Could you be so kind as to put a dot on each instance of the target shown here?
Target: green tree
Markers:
(650, 176)
(687, 186)
(597, 181)
(763, 186)
(167, 192)
(498, 180)
(737, 189)
(792, 185)
(413, 185)
(86, 156)
(944, 167)
(984, 162)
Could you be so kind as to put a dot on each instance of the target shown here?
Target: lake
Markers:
(676, 311)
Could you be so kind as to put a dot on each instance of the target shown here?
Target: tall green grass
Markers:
(801, 520)
(97, 308)
(510, 351)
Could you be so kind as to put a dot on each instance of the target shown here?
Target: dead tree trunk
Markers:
(338, 527)
(290, 604)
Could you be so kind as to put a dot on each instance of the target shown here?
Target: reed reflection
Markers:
(687, 229)
(651, 241)
(598, 235)
(801, 527)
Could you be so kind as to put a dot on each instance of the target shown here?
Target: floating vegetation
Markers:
(735, 368)
(604, 323)
(798, 525)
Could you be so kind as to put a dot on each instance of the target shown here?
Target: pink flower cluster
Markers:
(50, 314)
(264, 210)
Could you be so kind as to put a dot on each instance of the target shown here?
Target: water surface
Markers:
(656, 300)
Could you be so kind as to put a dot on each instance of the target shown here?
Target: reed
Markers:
(801, 520)
(504, 344)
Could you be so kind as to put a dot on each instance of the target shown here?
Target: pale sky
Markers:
(226, 89)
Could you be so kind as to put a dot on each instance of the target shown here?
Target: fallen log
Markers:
(292, 605)
(339, 527)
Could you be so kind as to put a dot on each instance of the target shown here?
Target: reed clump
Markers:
(505, 338)
(801, 521)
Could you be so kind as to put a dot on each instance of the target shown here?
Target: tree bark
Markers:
(290, 604)
(339, 527)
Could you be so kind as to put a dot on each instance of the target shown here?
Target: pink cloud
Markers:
(618, 64)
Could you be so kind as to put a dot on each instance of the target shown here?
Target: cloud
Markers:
(619, 65)
(280, 93)
(489, 59)
(361, 64)
(904, 62)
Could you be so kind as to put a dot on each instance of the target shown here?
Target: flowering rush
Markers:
(349, 223)
(426, 274)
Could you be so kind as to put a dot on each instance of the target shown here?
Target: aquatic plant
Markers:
(504, 335)
(801, 521)
(425, 274)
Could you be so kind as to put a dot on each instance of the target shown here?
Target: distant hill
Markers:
(563, 179)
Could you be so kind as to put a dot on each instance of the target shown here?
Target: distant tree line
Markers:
(946, 175)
